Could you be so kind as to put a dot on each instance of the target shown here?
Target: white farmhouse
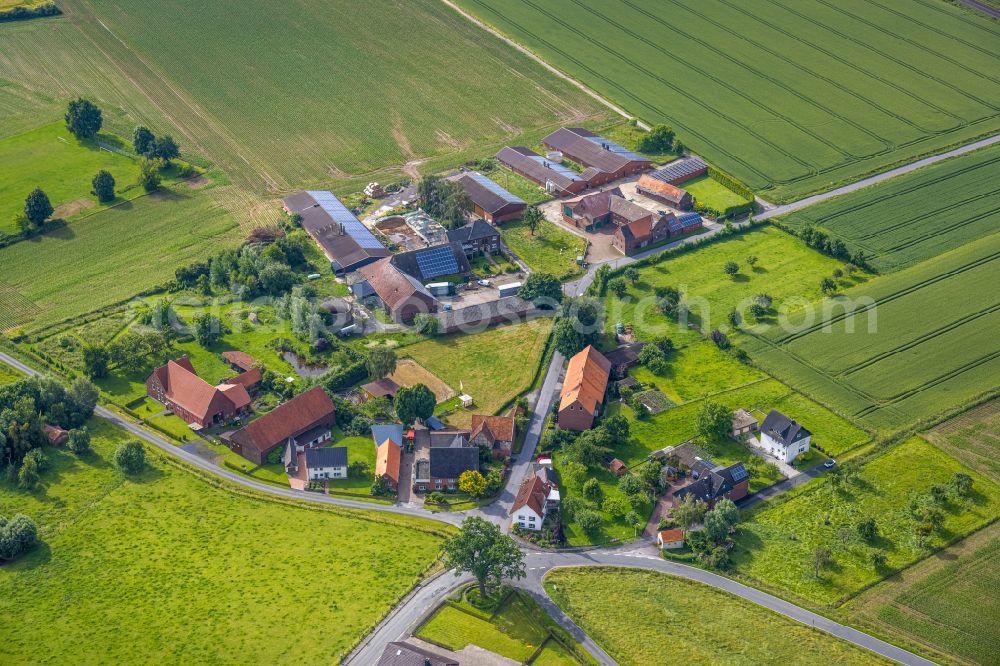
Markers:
(783, 438)
(534, 500)
(326, 463)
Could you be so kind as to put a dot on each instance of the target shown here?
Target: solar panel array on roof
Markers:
(437, 261)
(558, 167)
(494, 188)
(679, 169)
(343, 216)
(689, 217)
(615, 148)
(739, 473)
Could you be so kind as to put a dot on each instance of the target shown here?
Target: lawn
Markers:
(359, 449)
(519, 186)
(973, 438)
(786, 269)
(803, 97)
(8, 375)
(899, 223)
(482, 364)
(119, 252)
(53, 159)
(235, 104)
(940, 602)
(711, 193)
(551, 250)
(901, 348)
(515, 631)
(170, 568)
(640, 616)
(776, 544)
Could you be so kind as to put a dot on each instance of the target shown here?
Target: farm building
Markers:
(551, 175)
(684, 224)
(495, 433)
(624, 357)
(405, 654)
(636, 226)
(238, 360)
(680, 171)
(345, 241)
(250, 380)
(392, 432)
(670, 539)
(448, 463)
(641, 233)
(56, 435)
(479, 316)
(782, 437)
(490, 201)
(606, 159)
(303, 422)
(536, 497)
(429, 264)
(400, 295)
(477, 238)
(583, 389)
(380, 388)
(744, 423)
(665, 192)
(387, 462)
(179, 388)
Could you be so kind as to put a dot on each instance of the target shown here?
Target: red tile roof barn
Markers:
(241, 360)
(299, 414)
(664, 191)
(586, 380)
(184, 388)
(387, 459)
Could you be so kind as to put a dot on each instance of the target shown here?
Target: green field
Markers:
(919, 341)
(116, 254)
(53, 159)
(170, 568)
(916, 216)
(788, 98)
(646, 618)
(266, 120)
(8, 374)
(514, 631)
(550, 250)
(482, 363)
(786, 269)
(973, 438)
(941, 601)
(710, 192)
(776, 543)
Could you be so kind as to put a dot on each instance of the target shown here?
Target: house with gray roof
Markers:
(448, 463)
(782, 437)
(326, 463)
(478, 237)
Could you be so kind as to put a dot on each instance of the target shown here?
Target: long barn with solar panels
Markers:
(490, 201)
(345, 241)
(680, 171)
(605, 160)
(552, 176)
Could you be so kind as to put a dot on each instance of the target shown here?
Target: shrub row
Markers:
(25, 13)
(730, 183)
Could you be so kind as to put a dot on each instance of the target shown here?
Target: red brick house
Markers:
(179, 388)
(583, 389)
(303, 422)
(496, 433)
(402, 296)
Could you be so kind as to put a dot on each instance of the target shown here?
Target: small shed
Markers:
(670, 539)
(744, 423)
(56, 435)
(466, 400)
(384, 387)
(617, 467)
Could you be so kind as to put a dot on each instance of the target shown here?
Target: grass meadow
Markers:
(916, 216)
(8, 375)
(53, 159)
(941, 602)
(117, 253)
(776, 541)
(800, 98)
(169, 567)
(710, 192)
(493, 366)
(916, 343)
(550, 250)
(640, 616)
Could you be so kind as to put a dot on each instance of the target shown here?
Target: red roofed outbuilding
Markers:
(583, 389)
(179, 388)
(304, 421)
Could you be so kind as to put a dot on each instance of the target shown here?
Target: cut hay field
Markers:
(112, 256)
(790, 98)
(409, 373)
(403, 81)
(493, 366)
(917, 342)
(170, 568)
(943, 601)
(973, 438)
(776, 542)
(639, 616)
(917, 216)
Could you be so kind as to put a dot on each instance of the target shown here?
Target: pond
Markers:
(302, 368)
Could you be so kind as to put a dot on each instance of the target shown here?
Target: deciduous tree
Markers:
(472, 482)
(130, 457)
(381, 362)
(481, 549)
(714, 420)
(414, 402)
(83, 118)
(143, 141)
(104, 186)
(533, 218)
(37, 207)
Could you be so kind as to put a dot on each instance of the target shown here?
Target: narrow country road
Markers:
(877, 178)
(982, 7)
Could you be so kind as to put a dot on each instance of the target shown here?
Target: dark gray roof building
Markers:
(476, 230)
(595, 151)
(553, 176)
(327, 457)
(345, 241)
(430, 263)
(449, 463)
(680, 171)
(405, 654)
(783, 429)
(489, 199)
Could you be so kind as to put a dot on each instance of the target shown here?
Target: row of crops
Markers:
(787, 97)
(916, 216)
(903, 347)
